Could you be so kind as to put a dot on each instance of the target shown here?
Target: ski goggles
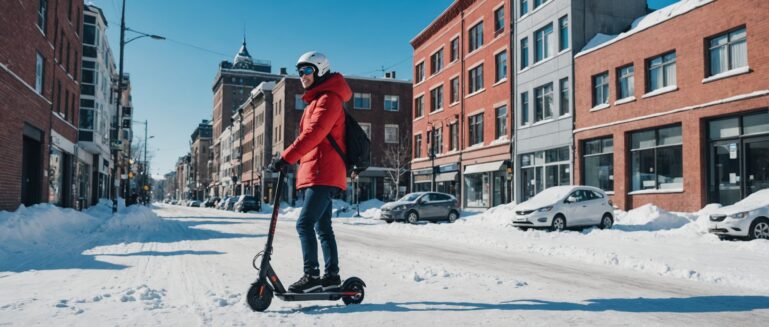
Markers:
(305, 70)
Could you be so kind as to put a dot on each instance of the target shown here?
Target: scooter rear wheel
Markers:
(259, 296)
(353, 285)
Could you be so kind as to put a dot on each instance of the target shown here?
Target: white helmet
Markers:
(316, 59)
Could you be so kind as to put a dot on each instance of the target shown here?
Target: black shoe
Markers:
(306, 284)
(330, 282)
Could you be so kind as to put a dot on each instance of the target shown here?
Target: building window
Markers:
(362, 101)
(543, 102)
(661, 71)
(538, 3)
(419, 106)
(601, 89)
(476, 37)
(563, 105)
(598, 163)
(454, 49)
(728, 51)
(625, 82)
(524, 108)
(476, 129)
(299, 103)
(501, 61)
(39, 73)
(543, 43)
(419, 72)
(391, 102)
(418, 146)
(501, 124)
(499, 20)
(437, 145)
(436, 62)
(391, 133)
(524, 52)
(544, 169)
(454, 89)
(524, 7)
(42, 14)
(453, 137)
(656, 159)
(563, 33)
(476, 79)
(436, 99)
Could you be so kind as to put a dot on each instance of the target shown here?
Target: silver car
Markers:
(748, 218)
(561, 207)
(413, 207)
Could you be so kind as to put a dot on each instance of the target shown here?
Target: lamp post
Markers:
(432, 153)
(123, 42)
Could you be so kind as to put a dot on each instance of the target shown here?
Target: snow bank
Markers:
(650, 218)
(37, 232)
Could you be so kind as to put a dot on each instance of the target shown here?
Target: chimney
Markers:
(283, 71)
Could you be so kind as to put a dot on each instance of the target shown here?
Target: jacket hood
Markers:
(334, 84)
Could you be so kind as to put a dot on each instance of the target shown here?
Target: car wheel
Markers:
(759, 229)
(412, 217)
(559, 223)
(523, 229)
(389, 221)
(607, 222)
(453, 216)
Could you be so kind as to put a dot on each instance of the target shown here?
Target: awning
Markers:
(484, 167)
(446, 177)
(422, 179)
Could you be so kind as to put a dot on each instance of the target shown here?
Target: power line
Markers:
(383, 69)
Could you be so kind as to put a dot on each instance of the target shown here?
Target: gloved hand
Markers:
(277, 165)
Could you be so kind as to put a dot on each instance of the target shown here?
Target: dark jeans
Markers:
(316, 218)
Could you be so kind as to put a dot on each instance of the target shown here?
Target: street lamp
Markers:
(432, 153)
(123, 42)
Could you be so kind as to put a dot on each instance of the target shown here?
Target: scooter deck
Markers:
(315, 296)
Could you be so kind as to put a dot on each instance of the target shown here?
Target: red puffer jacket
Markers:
(319, 163)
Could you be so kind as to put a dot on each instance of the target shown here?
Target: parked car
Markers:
(246, 203)
(229, 205)
(562, 207)
(194, 203)
(413, 207)
(211, 202)
(222, 202)
(748, 218)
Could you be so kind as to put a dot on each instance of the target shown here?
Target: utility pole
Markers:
(115, 176)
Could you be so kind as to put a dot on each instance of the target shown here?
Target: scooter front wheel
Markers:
(259, 296)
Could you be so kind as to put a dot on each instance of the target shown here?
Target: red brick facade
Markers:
(60, 46)
(692, 104)
(455, 24)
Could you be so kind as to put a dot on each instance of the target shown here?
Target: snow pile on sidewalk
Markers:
(30, 233)
(650, 218)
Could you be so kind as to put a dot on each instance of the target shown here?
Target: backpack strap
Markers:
(336, 147)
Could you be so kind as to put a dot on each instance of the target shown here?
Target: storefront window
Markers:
(55, 176)
(657, 159)
(598, 163)
(544, 169)
(477, 190)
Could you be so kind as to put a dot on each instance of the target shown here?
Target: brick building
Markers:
(200, 145)
(462, 103)
(674, 112)
(231, 87)
(39, 95)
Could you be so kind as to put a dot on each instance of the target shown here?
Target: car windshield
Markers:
(549, 196)
(410, 197)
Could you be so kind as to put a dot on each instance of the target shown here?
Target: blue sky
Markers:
(172, 79)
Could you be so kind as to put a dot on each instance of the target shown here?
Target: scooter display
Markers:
(260, 293)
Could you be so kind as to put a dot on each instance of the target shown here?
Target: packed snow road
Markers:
(197, 271)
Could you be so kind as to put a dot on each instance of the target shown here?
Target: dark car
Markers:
(211, 202)
(431, 206)
(229, 205)
(246, 203)
(222, 204)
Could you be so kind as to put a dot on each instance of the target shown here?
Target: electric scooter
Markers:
(261, 291)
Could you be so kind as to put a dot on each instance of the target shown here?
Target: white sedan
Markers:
(747, 218)
(562, 207)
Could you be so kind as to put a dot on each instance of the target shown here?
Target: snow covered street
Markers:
(193, 267)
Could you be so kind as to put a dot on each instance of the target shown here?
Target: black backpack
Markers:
(358, 156)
